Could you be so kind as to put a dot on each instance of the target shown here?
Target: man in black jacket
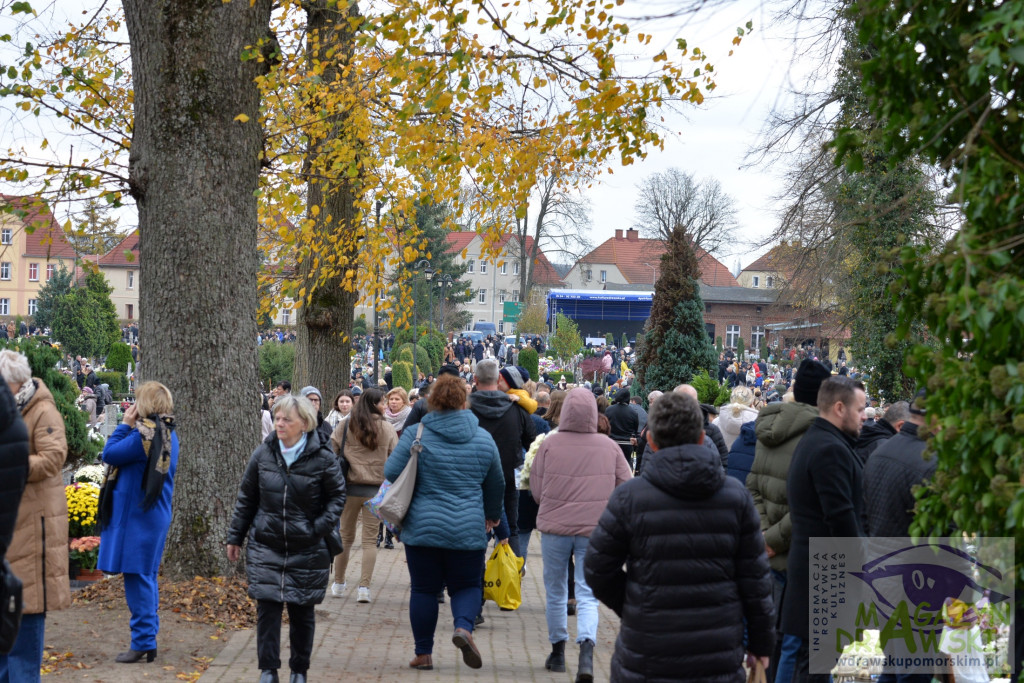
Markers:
(875, 434)
(826, 498)
(512, 430)
(695, 565)
(894, 469)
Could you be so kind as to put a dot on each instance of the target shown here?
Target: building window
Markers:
(757, 281)
(604, 276)
(515, 268)
(483, 267)
(504, 268)
(6, 236)
(286, 316)
(33, 306)
(482, 296)
(5, 270)
(515, 295)
(769, 282)
(501, 326)
(33, 272)
(757, 337)
(469, 265)
(129, 310)
(732, 335)
(51, 270)
(5, 306)
(131, 279)
(501, 296)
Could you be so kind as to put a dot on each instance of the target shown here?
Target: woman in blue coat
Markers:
(135, 509)
(457, 500)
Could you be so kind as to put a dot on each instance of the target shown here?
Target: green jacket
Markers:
(778, 427)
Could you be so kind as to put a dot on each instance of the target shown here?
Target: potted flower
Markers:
(84, 553)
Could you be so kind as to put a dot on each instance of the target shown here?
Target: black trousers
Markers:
(512, 513)
(302, 625)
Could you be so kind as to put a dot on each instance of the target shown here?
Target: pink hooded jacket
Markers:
(576, 470)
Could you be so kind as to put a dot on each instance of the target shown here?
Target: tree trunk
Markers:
(193, 172)
(325, 320)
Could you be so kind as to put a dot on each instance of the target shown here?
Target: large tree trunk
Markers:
(325, 320)
(193, 172)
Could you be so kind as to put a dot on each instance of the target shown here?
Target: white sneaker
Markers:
(338, 589)
(364, 594)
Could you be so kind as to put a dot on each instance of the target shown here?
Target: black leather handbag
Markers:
(10, 608)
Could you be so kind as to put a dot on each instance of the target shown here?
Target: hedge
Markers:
(401, 375)
(117, 381)
(423, 361)
(528, 359)
(119, 358)
(554, 377)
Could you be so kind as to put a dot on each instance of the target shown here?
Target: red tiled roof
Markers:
(779, 259)
(543, 272)
(47, 239)
(632, 254)
(116, 257)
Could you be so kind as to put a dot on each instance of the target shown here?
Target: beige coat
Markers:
(365, 467)
(39, 550)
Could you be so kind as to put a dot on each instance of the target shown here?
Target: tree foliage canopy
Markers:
(946, 86)
(675, 343)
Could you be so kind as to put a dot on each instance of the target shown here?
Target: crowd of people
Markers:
(690, 521)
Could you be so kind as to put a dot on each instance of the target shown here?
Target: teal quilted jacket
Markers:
(459, 483)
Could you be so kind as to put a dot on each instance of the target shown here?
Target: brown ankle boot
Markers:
(422, 662)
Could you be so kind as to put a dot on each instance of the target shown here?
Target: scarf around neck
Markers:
(397, 420)
(25, 394)
(156, 442)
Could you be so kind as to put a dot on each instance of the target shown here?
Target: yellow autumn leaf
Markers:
(244, 118)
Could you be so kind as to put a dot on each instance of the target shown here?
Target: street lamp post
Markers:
(654, 274)
(376, 325)
(428, 272)
(443, 283)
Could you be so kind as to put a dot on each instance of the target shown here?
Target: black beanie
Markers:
(809, 377)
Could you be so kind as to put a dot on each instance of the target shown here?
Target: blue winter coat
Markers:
(741, 457)
(133, 542)
(459, 483)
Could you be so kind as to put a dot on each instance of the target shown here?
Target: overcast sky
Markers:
(712, 139)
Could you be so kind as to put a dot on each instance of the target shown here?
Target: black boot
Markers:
(556, 660)
(268, 676)
(585, 673)
(132, 656)
(389, 540)
(380, 535)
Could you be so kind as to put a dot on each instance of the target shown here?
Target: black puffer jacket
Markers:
(695, 568)
(894, 469)
(287, 558)
(13, 464)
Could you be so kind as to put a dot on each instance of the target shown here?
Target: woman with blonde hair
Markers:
(38, 553)
(397, 409)
(738, 412)
(290, 499)
(135, 509)
(365, 440)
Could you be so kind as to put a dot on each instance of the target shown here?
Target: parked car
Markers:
(472, 335)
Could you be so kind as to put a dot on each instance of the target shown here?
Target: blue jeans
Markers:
(556, 551)
(430, 570)
(22, 665)
(143, 598)
(787, 658)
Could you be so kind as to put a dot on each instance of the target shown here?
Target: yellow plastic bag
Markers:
(502, 578)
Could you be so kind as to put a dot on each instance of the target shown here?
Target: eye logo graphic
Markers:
(915, 580)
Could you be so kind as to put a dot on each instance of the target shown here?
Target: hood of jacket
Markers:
(777, 423)
(748, 436)
(454, 426)
(579, 412)
(733, 416)
(688, 472)
(490, 404)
